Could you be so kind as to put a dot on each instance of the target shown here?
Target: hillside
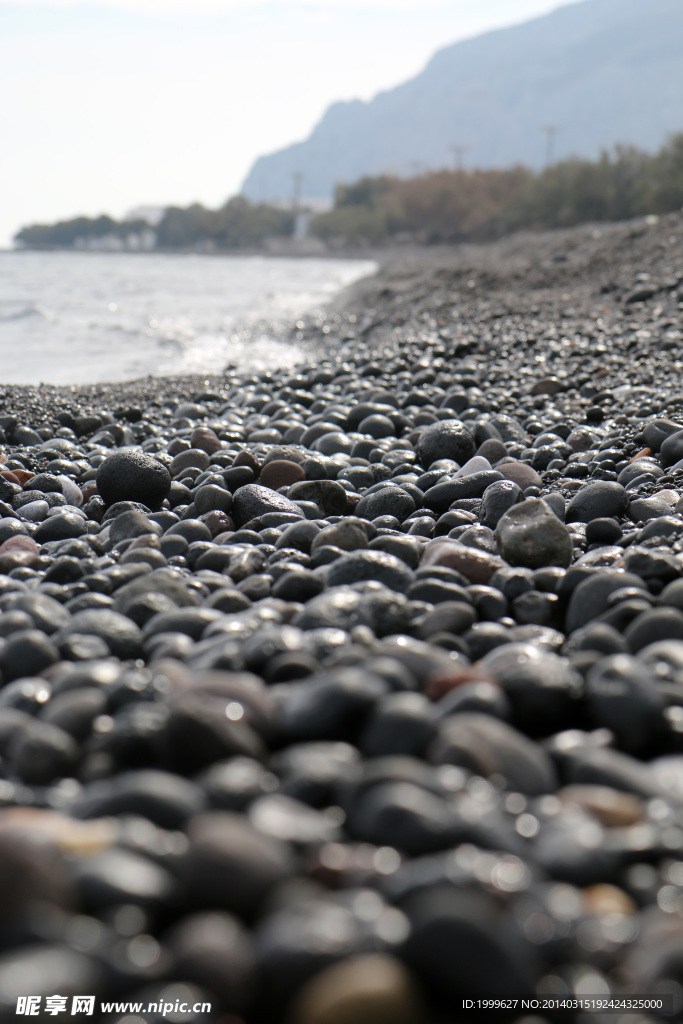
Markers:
(603, 71)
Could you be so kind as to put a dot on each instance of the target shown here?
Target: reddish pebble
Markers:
(247, 459)
(205, 439)
(476, 566)
(89, 490)
(281, 473)
(521, 474)
(217, 522)
(23, 476)
(19, 543)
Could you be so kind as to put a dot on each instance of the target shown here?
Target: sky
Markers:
(107, 107)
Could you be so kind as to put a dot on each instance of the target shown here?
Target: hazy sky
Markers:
(104, 107)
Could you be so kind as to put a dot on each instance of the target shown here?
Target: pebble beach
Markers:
(350, 692)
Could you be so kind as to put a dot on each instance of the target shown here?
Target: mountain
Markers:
(602, 72)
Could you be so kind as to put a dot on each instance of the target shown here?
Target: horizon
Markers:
(137, 103)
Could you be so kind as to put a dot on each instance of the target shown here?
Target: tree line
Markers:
(436, 207)
(238, 224)
(458, 206)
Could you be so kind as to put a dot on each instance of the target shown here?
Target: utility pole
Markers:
(458, 153)
(297, 178)
(550, 131)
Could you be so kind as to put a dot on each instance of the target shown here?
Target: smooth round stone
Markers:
(671, 449)
(75, 710)
(51, 968)
(493, 450)
(42, 753)
(475, 565)
(328, 495)
(35, 511)
(12, 528)
(612, 808)
(234, 784)
(605, 531)
(372, 988)
(348, 535)
(45, 482)
(377, 426)
(191, 458)
(120, 876)
(358, 566)
(47, 614)
(314, 772)
(130, 475)
(656, 431)
(71, 491)
(653, 626)
(638, 468)
(488, 747)
(131, 524)
(456, 934)
(478, 464)
(452, 615)
(622, 696)
(596, 636)
(519, 473)
(62, 526)
(122, 637)
(210, 497)
(232, 866)
(543, 690)
(247, 459)
(165, 799)
(281, 473)
(253, 500)
(446, 439)
(389, 500)
(214, 950)
(531, 535)
(331, 707)
(401, 812)
(205, 439)
(13, 621)
(643, 510)
(590, 597)
(292, 821)
(27, 652)
(599, 500)
(199, 731)
(333, 443)
(401, 723)
(496, 500)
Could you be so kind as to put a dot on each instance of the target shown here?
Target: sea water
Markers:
(78, 318)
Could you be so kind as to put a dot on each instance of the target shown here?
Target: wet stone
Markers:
(358, 566)
(253, 500)
(599, 500)
(529, 534)
(232, 866)
(130, 475)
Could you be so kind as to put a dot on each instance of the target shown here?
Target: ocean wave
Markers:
(25, 312)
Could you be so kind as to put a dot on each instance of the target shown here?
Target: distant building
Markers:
(152, 214)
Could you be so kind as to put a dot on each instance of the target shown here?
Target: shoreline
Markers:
(536, 266)
(327, 687)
